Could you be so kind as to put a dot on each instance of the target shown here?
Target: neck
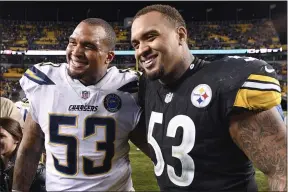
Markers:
(179, 69)
(86, 81)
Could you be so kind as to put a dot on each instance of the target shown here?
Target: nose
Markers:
(143, 50)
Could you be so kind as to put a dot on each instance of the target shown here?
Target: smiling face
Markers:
(156, 42)
(88, 53)
(7, 142)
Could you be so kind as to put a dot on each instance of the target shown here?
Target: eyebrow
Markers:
(145, 34)
(95, 42)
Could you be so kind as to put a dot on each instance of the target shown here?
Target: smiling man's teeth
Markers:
(148, 61)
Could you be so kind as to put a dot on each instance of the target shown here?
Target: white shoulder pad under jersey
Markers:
(86, 127)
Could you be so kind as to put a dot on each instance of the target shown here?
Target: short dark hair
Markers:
(110, 33)
(12, 126)
(169, 12)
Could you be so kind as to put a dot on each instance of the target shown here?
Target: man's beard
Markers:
(75, 76)
(157, 74)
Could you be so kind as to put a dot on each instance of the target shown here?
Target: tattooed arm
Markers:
(262, 137)
(28, 155)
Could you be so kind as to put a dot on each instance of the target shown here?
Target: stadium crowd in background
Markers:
(219, 35)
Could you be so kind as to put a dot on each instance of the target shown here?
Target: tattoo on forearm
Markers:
(262, 138)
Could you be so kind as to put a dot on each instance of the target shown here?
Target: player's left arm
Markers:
(255, 124)
(262, 137)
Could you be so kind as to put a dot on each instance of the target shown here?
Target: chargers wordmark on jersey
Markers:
(201, 95)
(82, 108)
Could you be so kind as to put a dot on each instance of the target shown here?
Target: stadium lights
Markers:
(196, 52)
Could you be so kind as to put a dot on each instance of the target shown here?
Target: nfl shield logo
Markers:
(85, 94)
(168, 97)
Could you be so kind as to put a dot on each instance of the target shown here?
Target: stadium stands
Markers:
(219, 35)
(223, 35)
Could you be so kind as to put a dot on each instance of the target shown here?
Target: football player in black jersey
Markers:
(207, 123)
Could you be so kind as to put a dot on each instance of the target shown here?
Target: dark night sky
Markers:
(109, 10)
(224, 10)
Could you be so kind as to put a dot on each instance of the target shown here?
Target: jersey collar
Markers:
(75, 83)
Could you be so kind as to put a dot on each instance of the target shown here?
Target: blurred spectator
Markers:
(9, 109)
(10, 138)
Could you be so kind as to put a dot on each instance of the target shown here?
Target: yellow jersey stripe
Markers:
(263, 78)
(38, 77)
(257, 99)
(33, 75)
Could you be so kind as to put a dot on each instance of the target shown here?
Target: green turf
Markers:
(261, 181)
(142, 171)
(144, 179)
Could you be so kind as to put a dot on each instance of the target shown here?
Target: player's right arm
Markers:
(28, 155)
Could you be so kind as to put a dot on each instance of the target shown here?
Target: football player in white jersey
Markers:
(23, 106)
(87, 113)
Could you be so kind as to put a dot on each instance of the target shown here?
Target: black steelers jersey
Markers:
(188, 123)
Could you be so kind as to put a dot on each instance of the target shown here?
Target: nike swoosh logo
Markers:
(269, 70)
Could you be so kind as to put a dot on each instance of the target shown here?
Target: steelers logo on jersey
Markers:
(112, 102)
(201, 95)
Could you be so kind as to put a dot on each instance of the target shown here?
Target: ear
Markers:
(182, 35)
(110, 57)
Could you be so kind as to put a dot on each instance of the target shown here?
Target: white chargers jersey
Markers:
(23, 107)
(86, 128)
